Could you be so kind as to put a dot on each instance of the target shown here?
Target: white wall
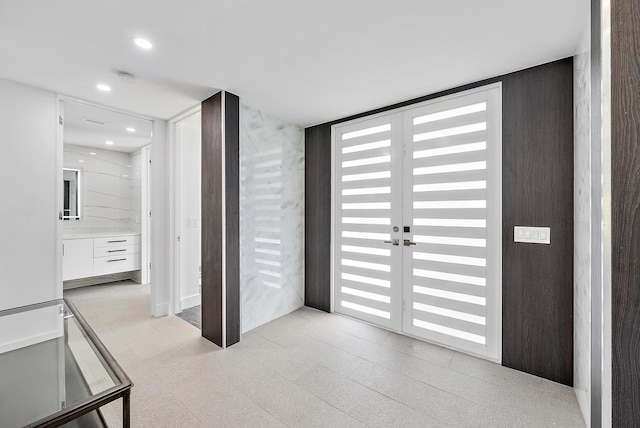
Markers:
(271, 218)
(29, 195)
(108, 199)
(189, 146)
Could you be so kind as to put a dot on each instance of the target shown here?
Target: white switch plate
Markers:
(193, 222)
(532, 235)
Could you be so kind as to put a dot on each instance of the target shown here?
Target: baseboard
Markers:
(98, 280)
(190, 301)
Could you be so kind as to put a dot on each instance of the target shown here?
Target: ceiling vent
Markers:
(123, 76)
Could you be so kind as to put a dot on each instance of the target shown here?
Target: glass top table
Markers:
(54, 370)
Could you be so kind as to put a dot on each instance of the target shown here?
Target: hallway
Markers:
(308, 368)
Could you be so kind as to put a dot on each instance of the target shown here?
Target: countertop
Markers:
(98, 234)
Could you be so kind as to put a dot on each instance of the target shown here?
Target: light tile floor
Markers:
(307, 369)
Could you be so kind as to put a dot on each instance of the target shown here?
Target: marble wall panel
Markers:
(136, 189)
(271, 218)
(582, 224)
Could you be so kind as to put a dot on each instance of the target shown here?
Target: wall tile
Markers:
(110, 191)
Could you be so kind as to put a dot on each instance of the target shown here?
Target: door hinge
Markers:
(61, 120)
(149, 266)
(404, 305)
(149, 213)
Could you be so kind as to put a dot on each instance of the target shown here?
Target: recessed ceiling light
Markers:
(143, 43)
(80, 160)
(102, 87)
(130, 129)
(109, 143)
(125, 175)
(92, 153)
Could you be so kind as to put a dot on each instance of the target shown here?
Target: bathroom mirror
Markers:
(71, 209)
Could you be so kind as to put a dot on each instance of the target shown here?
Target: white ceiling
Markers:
(91, 126)
(306, 62)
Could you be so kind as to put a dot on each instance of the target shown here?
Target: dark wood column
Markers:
(625, 211)
(220, 219)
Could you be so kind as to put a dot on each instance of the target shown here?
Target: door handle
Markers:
(408, 242)
(393, 242)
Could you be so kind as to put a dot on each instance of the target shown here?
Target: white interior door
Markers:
(188, 209)
(417, 221)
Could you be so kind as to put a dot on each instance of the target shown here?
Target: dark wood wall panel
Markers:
(537, 191)
(220, 194)
(317, 226)
(232, 215)
(211, 206)
(625, 204)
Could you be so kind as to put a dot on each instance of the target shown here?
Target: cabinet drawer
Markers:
(115, 250)
(116, 263)
(118, 241)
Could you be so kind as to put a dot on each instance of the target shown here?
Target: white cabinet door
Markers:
(77, 260)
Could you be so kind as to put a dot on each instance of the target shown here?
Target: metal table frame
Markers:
(123, 390)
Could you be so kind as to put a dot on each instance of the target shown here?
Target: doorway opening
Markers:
(106, 193)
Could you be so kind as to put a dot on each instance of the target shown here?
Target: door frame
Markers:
(174, 203)
(497, 173)
(59, 191)
(145, 222)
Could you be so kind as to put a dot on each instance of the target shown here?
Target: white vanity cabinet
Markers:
(100, 255)
(77, 258)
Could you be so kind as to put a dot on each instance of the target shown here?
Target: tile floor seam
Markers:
(327, 344)
(400, 403)
(375, 392)
(294, 426)
(393, 349)
(407, 405)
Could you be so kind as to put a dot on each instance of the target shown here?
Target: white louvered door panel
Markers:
(452, 203)
(368, 204)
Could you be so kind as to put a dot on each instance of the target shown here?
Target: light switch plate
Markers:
(532, 235)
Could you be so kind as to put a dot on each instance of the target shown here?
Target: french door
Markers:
(417, 221)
